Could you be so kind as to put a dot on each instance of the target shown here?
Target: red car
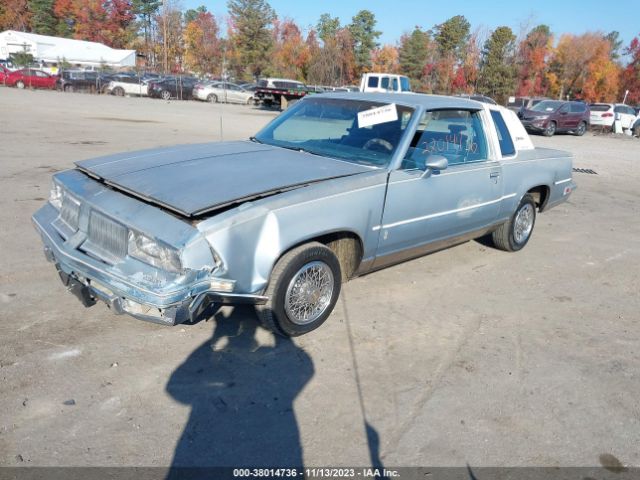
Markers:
(3, 73)
(28, 77)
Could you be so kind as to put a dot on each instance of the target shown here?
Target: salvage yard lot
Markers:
(467, 356)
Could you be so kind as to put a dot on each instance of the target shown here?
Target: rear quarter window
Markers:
(507, 147)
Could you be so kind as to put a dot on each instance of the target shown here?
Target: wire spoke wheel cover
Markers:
(523, 223)
(309, 293)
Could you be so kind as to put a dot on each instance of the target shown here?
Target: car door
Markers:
(42, 80)
(564, 117)
(425, 208)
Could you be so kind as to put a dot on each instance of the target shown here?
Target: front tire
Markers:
(212, 98)
(303, 289)
(166, 95)
(514, 234)
(20, 84)
(118, 92)
(550, 130)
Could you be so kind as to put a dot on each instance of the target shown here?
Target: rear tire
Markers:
(20, 84)
(303, 289)
(550, 130)
(166, 95)
(515, 233)
(68, 88)
(212, 98)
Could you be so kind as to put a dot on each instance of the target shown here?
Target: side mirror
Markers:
(434, 163)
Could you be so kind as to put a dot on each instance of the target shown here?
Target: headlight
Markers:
(56, 194)
(153, 252)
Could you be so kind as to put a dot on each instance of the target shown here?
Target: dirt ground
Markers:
(470, 356)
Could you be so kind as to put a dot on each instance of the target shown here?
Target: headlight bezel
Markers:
(153, 252)
(56, 195)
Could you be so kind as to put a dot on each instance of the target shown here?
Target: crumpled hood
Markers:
(195, 179)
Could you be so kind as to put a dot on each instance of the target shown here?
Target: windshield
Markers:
(547, 106)
(357, 131)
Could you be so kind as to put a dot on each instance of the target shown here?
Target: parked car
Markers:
(167, 88)
(551, 116)
(83, 81)
(604, 114)
(222, 92)
(30, 78)
(339, 185)
(517, 104)
(4, 72)
(636, 127)
(123, 85)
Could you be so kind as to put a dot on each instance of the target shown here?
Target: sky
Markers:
(396, 17)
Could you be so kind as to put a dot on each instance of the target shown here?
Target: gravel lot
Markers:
(470, 356)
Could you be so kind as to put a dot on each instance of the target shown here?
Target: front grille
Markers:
(107, 239)
(67, 222)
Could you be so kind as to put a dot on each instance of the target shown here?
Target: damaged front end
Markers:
(132, 256)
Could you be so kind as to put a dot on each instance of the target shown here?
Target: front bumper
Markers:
(90, 281)
(535, 125)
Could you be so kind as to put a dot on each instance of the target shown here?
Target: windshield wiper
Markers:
(300, 149)
(254, 139)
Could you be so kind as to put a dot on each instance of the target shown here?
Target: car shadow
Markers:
(241, 396)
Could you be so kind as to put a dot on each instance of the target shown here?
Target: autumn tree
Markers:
(581, 67)
(450, 38)
(385, 59)
(202, 43)
(168, 44)
(630, 76)
(364, 34)
(334, 62)
(14, 15)
(291, 54)
(532, 58)
(251, 37)
(497, 71)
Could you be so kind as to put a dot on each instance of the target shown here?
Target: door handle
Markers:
(494, 174)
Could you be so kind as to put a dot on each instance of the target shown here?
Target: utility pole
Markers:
(164, 36)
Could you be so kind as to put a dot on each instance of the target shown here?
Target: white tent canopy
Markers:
(55, 49)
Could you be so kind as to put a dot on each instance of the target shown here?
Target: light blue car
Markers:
(338, 185)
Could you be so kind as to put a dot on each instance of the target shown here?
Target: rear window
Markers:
(504, 137)
(600, 107)
(516, 102)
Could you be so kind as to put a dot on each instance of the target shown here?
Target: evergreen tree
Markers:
(413, 54)
(327, 27)
(43, 21)
(252, 20)
(452, 36)
(364, 34)
(498, 71)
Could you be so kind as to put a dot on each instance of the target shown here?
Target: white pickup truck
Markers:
(385, 83)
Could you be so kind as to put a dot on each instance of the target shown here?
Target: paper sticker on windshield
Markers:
(374, 116)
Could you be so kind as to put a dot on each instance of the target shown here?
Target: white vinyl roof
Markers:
(55, 49)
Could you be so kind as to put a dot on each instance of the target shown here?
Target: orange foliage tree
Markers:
(14, 15)
(630, 76)
(291, 53)
(532, 57)
(581, 67)
(385, 59)
(202, 44)
(97, 21)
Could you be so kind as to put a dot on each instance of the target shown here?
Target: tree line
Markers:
(448, 58)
